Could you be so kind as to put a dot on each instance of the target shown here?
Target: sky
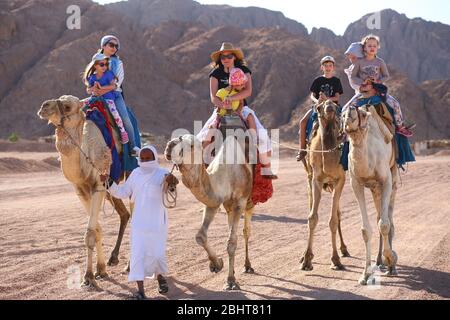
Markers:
(337, 15)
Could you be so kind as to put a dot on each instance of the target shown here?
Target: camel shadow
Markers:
(283, 219)
(178, 291)
(309, 293)
(418, 278)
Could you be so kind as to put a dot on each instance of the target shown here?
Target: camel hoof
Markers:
(249, 270)
(392, 271)
(101, 275)
(337, 267)
(390, 261)
(232, 286)
(90, 283)
(216, 267)
(345, 253)
(113, 261)
(307, 266)
(306, 261)
(363, 280)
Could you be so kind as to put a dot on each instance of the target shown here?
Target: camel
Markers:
(66, 115)
(229, 185)
(372, 165)
(325, 172)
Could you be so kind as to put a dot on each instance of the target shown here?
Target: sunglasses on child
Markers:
(226, 56)
(113, 45)
(102, 64)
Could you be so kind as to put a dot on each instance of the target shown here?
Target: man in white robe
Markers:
(149, 220)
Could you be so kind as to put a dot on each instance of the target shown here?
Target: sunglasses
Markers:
(113, 45)
(226, 56)
(102, 64)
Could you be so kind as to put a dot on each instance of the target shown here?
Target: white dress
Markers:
(149, 222)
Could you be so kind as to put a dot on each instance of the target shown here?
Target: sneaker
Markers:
(404, 132)
(410, 126)
(124, 137)
(301, 155)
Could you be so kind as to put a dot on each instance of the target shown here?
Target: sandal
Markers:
(140, 296)
(163, 286)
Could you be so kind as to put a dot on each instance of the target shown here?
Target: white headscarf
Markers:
(148, 167)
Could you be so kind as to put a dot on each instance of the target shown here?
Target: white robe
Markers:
(149, 222)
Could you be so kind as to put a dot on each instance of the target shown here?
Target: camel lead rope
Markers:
(169, 194)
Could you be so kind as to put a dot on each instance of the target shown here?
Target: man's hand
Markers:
(171, 179)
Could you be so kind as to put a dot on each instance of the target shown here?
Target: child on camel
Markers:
(324, 87)
(97, 75)
(372, 68)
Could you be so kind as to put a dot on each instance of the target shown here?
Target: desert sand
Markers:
(42, 253)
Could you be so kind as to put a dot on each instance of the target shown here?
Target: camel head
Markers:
(65, 107)
(327, 110)
(185, 150)
(356, 120)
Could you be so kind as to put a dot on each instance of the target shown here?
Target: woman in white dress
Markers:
(149, 220)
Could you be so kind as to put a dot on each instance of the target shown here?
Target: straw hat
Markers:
(226, 46)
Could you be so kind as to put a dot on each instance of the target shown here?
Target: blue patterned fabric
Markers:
(97, 117)
(130, 163)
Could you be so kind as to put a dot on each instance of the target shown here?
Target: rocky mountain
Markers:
(149, 13)
(417, 47)
(167, 66)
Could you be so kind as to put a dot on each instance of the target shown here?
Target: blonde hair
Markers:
(89, 71)
(370, 37)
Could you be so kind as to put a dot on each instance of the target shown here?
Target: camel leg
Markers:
(216, 264)
(384, 222)
(233, 223)
(247, 227)
(313, 218)
(334, 223)
(343, 247)
(90, 236)
(392, 269)
(376, 195)
(366, 229)
(124, 217)
(101, 265)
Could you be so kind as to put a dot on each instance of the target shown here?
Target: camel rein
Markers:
(169, 194)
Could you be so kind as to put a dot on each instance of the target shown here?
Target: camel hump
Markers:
(382, 123)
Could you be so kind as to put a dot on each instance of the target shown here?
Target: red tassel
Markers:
(262, 188)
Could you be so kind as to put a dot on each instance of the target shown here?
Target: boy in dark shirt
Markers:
(324, 87)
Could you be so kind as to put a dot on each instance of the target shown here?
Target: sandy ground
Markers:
(42, 254)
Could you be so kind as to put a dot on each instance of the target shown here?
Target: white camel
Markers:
(372, 165)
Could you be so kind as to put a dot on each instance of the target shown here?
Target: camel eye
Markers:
(66, 107)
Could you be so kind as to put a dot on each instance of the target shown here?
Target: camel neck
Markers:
(197, 179)
(359, 152)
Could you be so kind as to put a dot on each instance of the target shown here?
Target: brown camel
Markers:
(74, 132)
(224, 184)
(325, 172)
